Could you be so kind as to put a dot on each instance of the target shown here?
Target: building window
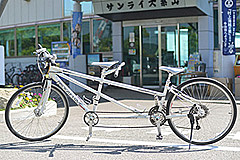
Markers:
(67, 29)
(7, 40)
(68, 7)
(47, 34)
(237, 38)
(188, 41)
(215, 16)
(86, 37)
(25, 40)
(102, 35)
(87, 8)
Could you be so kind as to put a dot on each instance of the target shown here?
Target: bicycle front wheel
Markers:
(214, 113)
(22, 110)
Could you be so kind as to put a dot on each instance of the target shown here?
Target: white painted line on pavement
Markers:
(235, 136)
(206, 147)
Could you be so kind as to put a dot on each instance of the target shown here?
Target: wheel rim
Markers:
(22, 114)
(215, 124)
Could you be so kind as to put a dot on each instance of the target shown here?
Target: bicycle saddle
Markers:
(104, 64)
(173, 70)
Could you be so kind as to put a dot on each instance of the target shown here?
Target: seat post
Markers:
(100, 86)
(166, 87)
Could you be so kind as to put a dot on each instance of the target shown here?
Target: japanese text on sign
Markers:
(133, 4)
(228, 26)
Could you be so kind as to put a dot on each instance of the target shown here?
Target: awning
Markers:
(122, 10)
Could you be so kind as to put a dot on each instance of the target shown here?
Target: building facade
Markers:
(25, 24)
(143, 33)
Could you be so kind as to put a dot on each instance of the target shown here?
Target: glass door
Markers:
(150, 56)
(131, 54)
(154, 38)
(169, 50)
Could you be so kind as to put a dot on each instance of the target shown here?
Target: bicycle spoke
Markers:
(217, 120)
(28, 122)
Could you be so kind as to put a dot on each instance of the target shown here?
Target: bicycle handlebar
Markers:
(45, 58)
(118, 69)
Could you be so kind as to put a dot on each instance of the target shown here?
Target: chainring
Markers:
(91, 116)
(156, 116)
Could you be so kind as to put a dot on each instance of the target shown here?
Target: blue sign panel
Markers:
(76, 33)
(229, 26)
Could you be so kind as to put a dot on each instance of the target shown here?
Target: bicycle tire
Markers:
(7, 79)
(21, 117)
(220, 113)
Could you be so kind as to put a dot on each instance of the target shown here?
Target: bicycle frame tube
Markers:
(78, 100)
(56, 72)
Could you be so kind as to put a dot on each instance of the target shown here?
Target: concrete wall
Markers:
(206, 40)
(117, 41)
(20, 11)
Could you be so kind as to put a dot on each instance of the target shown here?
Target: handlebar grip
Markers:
(39, 46)
(118, 69)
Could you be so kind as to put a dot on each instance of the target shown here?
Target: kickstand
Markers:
(90, 130)
(159, 136)
(191, 117)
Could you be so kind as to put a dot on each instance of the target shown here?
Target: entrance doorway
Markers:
(159, 47)
(146, 47)
(150, 56)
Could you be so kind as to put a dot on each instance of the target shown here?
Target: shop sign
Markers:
(110, 6)
(229, 26)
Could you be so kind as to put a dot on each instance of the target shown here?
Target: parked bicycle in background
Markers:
(15, 76)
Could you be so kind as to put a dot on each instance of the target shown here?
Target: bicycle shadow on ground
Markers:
(97, 149)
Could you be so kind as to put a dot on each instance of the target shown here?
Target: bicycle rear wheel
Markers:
(215, 113)
(21, 113)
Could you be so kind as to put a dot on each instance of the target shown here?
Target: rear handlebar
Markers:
(118, 69)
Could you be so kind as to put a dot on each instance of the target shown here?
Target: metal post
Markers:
(160, 54)
(61, 31)
(77, 61)
(141, 54)
(179, 56)
(91, 35)
(36, 36)
(15, 42)
(220, 24)
(178, 32)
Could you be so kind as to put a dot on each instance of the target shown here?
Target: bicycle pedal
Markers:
(159, 137)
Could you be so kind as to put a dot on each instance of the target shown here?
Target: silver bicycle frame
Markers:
(55, 73)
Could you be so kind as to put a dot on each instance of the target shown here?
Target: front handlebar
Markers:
(44, 59)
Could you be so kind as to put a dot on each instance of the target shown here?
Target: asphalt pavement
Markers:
(116, 143)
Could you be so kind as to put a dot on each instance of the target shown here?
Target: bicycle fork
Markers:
(45, 95)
